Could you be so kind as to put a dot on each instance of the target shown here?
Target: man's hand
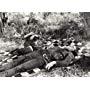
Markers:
(49, 65)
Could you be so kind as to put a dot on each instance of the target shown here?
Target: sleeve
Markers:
(67, 61)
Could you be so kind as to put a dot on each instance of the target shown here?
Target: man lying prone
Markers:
(38, 59)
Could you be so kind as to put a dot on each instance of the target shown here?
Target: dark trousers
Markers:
(29, 65)
(22, 63)
(21, 51)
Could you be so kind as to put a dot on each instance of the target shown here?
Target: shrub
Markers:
(47, 24)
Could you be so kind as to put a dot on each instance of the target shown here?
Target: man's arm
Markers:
(57, 63)
(51, 64)
(64, 63)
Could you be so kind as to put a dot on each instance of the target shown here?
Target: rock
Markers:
(25, 74)
(36, 70)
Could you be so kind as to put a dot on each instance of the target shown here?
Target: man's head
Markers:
(56, 53)
(58, 56)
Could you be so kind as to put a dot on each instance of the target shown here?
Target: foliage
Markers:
(47, 24)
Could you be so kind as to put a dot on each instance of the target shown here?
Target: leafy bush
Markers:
(47, 24)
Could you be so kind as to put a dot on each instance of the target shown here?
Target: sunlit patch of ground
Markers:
(6, 46)
(73, 71)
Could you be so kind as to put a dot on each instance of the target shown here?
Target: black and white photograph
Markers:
(44, 44)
